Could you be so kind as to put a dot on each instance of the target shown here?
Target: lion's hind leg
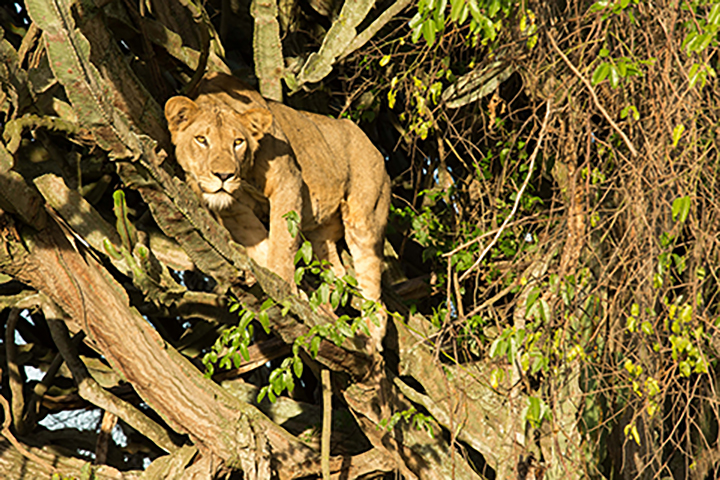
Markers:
(324, 242)
(364, 234)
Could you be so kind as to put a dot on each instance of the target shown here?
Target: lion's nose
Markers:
(223, 176)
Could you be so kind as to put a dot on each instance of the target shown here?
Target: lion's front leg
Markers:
(247, 230)
(281, 244)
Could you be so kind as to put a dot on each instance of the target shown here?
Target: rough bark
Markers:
(18, 467)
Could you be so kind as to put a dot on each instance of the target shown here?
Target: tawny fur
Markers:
(325, 169)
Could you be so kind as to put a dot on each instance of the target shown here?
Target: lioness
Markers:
(241, 152)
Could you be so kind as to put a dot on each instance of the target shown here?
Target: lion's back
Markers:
(335, 156)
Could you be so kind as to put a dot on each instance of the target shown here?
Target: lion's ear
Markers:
(179, 111)
(258, 122)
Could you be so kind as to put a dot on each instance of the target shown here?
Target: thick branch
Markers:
(166, 380)
(267, 48)
(363, 37)
(93, 393)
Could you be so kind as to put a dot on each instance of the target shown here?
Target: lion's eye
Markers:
(201, 140)
(238, 142)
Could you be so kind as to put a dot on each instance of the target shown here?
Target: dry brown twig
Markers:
(504, 225)
(599, 106)
(11, 438)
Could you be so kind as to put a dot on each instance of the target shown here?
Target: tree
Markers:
(550, 258)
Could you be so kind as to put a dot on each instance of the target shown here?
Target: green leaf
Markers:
(456, 7)
(416, 32)
(630, 109)
(698, 73)
(614, 76)
(475, 11)
(335, 297)
(599, 5)
(416, 20)
(622, 69)
(289, 382)
(493, 8)
(677, 133)
(498, 347)
(350, 280)
(681, 208)
(293, 223)
(324, 292)
(264, 320)
(315, 300)
(631, 324)
(533, 413)
(245, 319)
(278, 384)
(537, 411)
(262, 393)
(600, 73)
(532, 297)
(111, 250)
(225, 362)
(237, 359)
(714, 15)
(392, 97)
(297, 367)
(685, 369)
(647, 328)
(344, 328)
(464, 13)
(307, 252)
(701, 42)
(694, 74)
(327, 276)
(686, 313)
(496, 376)
(315, 346)
(299, 273)
(244, 352)
(428, 30)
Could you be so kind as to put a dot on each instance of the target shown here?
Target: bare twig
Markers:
(326, 426)
(205, 38)
(14, 376)
(473, 241)
(517, 198)
(103, 439)
(41, 388)
(599, 106)
(11, 438)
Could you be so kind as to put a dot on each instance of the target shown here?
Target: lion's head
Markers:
(215, 145)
